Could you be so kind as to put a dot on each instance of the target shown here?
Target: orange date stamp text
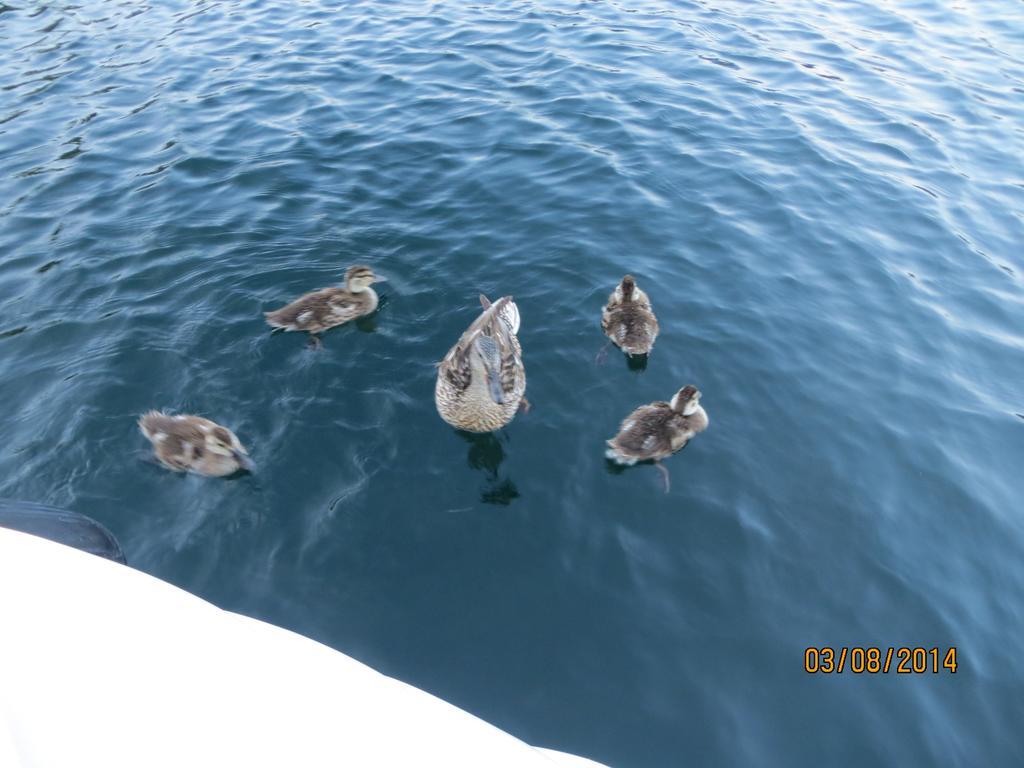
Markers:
(874, 660)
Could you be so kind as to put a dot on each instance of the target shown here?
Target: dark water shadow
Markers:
(503, 492)
(614, 468)
(486, 452)
(636, 363)
(633, 362)
(367, 324)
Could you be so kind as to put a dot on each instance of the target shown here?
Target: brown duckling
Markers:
(657, 430)
(329, 307)
(194, 444)
(628, 320)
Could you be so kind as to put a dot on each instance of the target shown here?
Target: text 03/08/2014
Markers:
(873, 660)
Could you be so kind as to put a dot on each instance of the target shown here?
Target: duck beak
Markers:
(494, 384)
(243, 461)
(379, 278)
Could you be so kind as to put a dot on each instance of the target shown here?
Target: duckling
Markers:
(319, 310)
(659, 429)
(481, 381)
(628, 320)
(194, 444)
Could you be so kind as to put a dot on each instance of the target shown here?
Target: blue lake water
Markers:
(825, 203)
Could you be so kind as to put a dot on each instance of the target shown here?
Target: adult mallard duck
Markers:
(194, 444)
(657, 430)
(481, 381)
(319, 310)
(628, 319)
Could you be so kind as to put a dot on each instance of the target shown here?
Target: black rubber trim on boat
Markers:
(62, 526)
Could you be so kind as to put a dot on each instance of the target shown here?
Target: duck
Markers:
(628, 320)
(481, 382)
(317, 311)
(657, 430)
(186, 443)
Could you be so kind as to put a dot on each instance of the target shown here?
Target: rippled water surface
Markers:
(824, 202)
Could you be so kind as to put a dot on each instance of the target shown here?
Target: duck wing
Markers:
(318, 310)
(495, 326)
(158, 427)
(646, 433)
(177, 440)
(630, 324)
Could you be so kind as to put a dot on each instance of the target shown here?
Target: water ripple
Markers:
(823, 201)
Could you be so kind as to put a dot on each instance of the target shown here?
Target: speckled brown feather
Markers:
(456, 365)
(179, 443)
(457, 395)
(628, 319)
(645, 433)
(319, 310)
(655, 431)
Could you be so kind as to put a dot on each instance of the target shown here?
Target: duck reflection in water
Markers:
(486, 452)
(367, 324)
(635, 363)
